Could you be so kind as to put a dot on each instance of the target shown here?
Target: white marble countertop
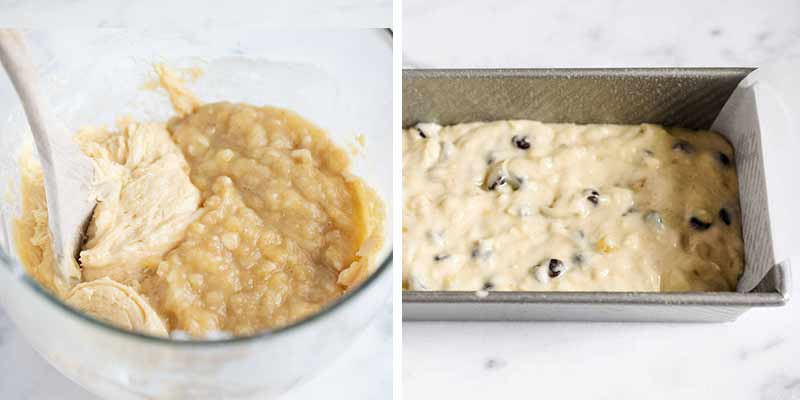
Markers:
(752, 358)
(509, 33)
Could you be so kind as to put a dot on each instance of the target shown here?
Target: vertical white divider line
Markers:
(397, 193)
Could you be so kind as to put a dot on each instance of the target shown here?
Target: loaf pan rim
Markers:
(778, 297)
(654, 72)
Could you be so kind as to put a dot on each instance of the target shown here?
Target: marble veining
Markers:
(481, 34)
(754, 357)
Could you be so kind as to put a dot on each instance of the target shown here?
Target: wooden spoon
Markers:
(67, 173)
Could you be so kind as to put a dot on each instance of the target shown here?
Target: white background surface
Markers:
(752, 358)
(585, 33)
(194, 14)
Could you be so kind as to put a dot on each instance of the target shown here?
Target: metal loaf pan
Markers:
(687, 97)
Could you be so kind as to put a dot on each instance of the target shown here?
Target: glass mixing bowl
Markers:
(340, 80)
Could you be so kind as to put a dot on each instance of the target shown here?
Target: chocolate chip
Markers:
(724, 159)
(499, 181)
(497, 175)
(593, 197)
(725, 216)
(698, 224)
(683, 146)
(481, 250)
(521, 142)
(441, 257)
(421, 133)
(555, 267)
(488, 285)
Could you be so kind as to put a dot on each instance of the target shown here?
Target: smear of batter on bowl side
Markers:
(523, 205)
(230, 218)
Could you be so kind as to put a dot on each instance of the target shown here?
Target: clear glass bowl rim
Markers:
(13, 265)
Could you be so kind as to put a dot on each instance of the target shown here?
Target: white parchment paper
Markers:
(762, 121)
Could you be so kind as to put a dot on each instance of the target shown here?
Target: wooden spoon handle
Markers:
(17, 62)
(66, 216)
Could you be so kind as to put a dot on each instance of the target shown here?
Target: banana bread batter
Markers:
(230, 218)
(522, 205)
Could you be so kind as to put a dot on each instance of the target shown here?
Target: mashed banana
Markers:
(230, 218)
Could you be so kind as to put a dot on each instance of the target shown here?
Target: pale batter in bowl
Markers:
(231, 218)
(522, 205)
